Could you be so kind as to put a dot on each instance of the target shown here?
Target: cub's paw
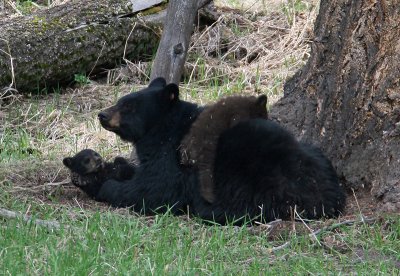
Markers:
(120, 161)
(81, 180)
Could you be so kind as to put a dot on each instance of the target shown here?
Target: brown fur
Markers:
(114, 122)
(199, 146)
(87, 166)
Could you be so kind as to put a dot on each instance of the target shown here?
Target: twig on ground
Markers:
(66, 181)
(312, 233)
(51, 224)
(327, 229)
(269, 229)
(269, 224)
(347, 223)
(277, 248)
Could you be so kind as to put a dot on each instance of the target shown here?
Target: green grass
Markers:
(106, 242)
(291, 7)
(81, 79)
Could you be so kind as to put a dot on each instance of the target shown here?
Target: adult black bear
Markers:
(260, 171)
(89, 170)
(199, 146)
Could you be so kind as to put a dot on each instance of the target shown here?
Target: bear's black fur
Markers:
(199, 146)
(260, 171)
(89, 171)
(279, 173)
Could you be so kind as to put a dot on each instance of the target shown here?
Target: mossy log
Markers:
(48, 47)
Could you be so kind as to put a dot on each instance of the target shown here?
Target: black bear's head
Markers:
(84, 162)
(135, 114)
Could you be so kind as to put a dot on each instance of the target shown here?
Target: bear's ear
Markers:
(262, 100)
(67, 161)
(158, 82)
(171, 91)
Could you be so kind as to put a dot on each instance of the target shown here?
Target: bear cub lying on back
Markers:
(199, 146)
(87, 168)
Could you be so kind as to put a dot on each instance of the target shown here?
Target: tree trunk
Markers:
(50, 46)
(347, 97)
(174, 44)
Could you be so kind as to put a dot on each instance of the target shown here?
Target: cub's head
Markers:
(135, 114)
(242, 108)
(257, 107)
(84, 162)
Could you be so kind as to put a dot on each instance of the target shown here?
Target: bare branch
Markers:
(51, 224)
(328, 228)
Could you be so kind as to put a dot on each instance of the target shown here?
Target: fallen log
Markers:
(48, 47)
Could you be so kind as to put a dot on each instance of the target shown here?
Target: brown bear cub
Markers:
(199, 146)
(87, 166)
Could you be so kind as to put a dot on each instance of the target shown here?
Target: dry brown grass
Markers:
(255, 50)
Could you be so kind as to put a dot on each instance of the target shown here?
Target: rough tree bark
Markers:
(174, 44)
(50, 46)
(347, 97)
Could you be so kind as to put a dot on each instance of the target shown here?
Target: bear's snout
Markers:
(103, 116)
(110, 118)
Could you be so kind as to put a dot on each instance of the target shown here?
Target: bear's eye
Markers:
(86, 161)
(128, 107)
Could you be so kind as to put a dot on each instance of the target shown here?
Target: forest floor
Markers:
(253, 48)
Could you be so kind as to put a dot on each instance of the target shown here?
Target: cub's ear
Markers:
(67, 161)
(158, 82)
(171, 91)
(120, 161)
(262, 100)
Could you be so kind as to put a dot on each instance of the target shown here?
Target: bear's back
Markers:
(261, 165)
